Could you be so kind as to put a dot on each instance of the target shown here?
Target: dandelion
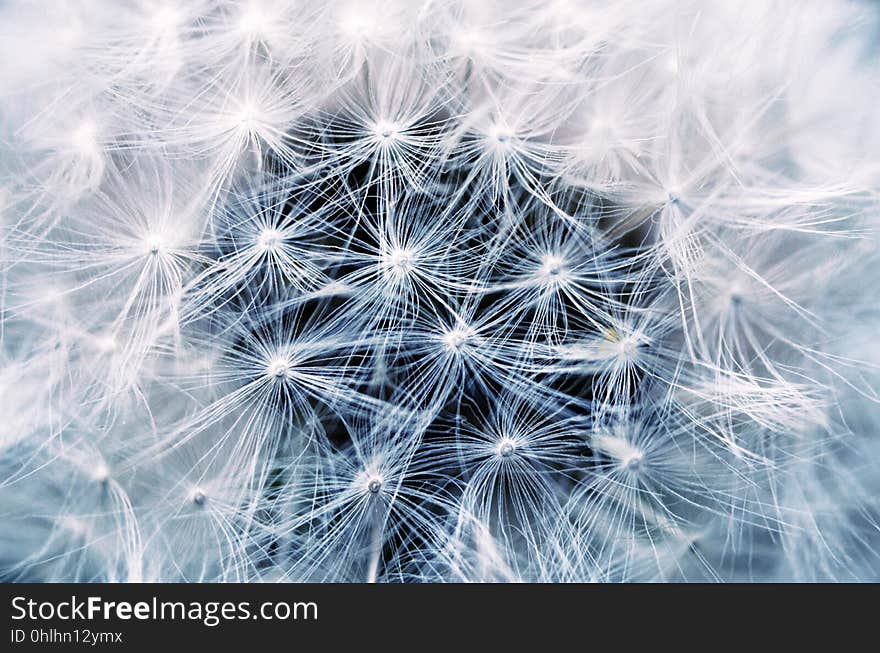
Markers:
(439, 291)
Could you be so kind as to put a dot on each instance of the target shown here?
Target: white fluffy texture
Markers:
(439, 291)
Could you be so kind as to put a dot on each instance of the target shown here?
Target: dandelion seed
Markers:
(506, 448)
(269, 239)
(386, 131)
(375, 485)
(457, 339)
(278, 367)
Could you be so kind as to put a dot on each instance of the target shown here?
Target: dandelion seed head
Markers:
(198, 497)
(626, 454)
(357, 21)
(369, 480)
(167, 20)
(733, 294)
(375, 485)
(457, 339)
(255, 20)
(601, 126)
(76, 526)
(622, 347)
(154, 246)
(386, 131)
(269, 239)
(469, 40)
(279, 367)
(500, 137)
(505, 448)
(106, 342)
(627, 346)
(247, 117)
(101, 472)
(431, 291)
(552, 268)
(84, 138)
(399, 261)
(730, 295)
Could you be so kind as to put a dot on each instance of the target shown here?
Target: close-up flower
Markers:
(439, 291)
